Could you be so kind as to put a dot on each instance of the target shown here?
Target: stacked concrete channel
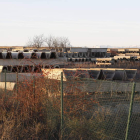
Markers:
(94, 79)
(29, 61)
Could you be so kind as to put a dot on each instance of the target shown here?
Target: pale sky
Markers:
(84, 22)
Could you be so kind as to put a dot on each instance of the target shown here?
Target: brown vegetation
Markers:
(33, 112)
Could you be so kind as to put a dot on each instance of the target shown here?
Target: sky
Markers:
(84, 22)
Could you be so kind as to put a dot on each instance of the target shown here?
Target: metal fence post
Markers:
(5, 81)
(34, 88)
(130, 111)
(61, 105)
(34, 85)
(17, 84)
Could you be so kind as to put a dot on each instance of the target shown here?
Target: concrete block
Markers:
(70, 55)
(56, 66)
(92, 54)
(14, 55)
(38, 55)
(80, 54)
(78, 49)
(4, 54)
(86, 54)
(65, 54)
(130, 74)
(132, 54)
(16, 68)
(27, 68)
(75, 54)
(94, 74)
(120, 74)
(120, 54)
(73, 59)
(76, 74)
(121, 57)
(27, 55)
(108, 74)
(10, 86)
(48, 54)
(99, 50)
(103, 64)
(12, 77)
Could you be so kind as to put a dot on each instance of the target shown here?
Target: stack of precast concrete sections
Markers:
(31, 57)
(28, 55)
(92, 73)
(104, 61)
(95, 80)
(125, 53)
(21, 72)
(10, 86)
(97, 56)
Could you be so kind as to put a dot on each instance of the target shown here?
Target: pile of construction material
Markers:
(91, 74)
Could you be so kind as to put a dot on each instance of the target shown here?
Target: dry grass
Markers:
(34, 113)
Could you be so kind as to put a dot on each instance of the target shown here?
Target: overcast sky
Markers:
(84, 22)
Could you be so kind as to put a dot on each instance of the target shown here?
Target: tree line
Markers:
(50, 41)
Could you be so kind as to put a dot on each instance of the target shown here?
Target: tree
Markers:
(50, 41)
(37, 41)
(56, 42)
(64, 42)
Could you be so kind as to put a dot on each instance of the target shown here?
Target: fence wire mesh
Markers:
(92, 110)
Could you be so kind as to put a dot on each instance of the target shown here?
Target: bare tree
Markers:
(29, 43)
(64, 42)
(37, 41)
(56, 42)
(50, 41)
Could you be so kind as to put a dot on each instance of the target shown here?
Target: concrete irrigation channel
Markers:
(92, 73)
(86, 80)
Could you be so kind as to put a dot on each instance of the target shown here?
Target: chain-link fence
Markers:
(78, 108)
